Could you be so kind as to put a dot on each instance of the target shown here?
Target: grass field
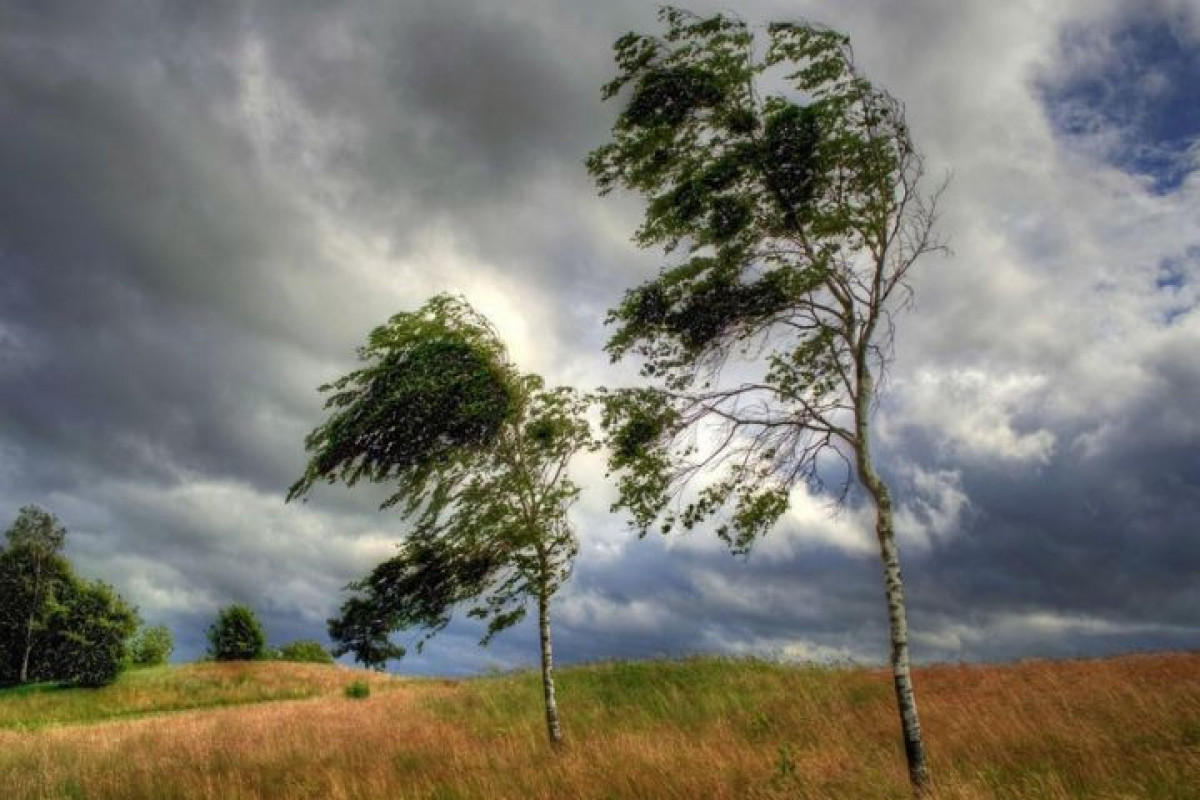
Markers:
(1125, 728)
(166, 689)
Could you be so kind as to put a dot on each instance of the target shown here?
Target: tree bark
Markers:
(25, 659)
(553, 727)
(910, 723)
(33, 609)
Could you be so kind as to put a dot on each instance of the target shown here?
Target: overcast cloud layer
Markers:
(204, 208)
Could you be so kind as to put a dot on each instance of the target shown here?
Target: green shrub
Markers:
(305, 650)
(151, 647)
(358, 690)
(236, 635)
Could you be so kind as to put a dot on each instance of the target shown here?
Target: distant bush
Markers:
(358, 690)
(151, 647)
(236, 635)
(304, 650)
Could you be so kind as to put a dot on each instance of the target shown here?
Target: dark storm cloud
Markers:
(1081, 556)
(133, 235)
(1102, 534)
(476, 116)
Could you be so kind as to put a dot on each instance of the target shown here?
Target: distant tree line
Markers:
(56, 627)
(237, 634)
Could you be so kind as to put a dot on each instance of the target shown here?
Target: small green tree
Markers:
(236, 635)
(479, 454)
(793, 187)
(306, 651)
(152, 646)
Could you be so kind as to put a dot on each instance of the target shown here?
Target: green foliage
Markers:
(236, 635)
(89, 646)
(684, 695)
(358, 690)
(307, 651)
(158, 690)
(788, 187)
(479, 453)
(36, 530)
(33, 573)
(435, 391)
(151, 647)
(364, 627)
(55, 626)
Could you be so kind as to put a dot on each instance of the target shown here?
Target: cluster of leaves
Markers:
(236, 635)
(793, 213)
(54, 625)
(435, 390)
(416, 589)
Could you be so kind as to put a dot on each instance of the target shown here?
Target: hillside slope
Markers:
(157, 690)
(704, 728)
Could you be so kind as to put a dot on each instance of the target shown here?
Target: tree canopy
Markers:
(436, 390)
(236, 635)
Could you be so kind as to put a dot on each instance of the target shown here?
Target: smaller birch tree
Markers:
(479, 455)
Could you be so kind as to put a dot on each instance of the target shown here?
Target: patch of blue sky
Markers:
(1176, 281)
(1128, 89)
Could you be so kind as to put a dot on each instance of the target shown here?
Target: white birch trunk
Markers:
(37, 587)
(553, 727)
(910, 723)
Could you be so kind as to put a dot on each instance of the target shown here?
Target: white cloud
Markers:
(1050, 628)
(973, 413)
(936, 510)
(213, 543)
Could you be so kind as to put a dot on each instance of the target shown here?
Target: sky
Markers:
(205, 207)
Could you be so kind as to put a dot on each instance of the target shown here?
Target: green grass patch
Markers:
(689, 694)
(165, 689)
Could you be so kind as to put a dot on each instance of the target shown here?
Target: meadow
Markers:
(1117, 729)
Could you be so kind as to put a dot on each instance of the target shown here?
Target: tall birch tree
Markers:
(479, 454)
(790, 192)
(34, 569)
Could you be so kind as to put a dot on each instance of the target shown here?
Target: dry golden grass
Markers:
(1126, 728)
